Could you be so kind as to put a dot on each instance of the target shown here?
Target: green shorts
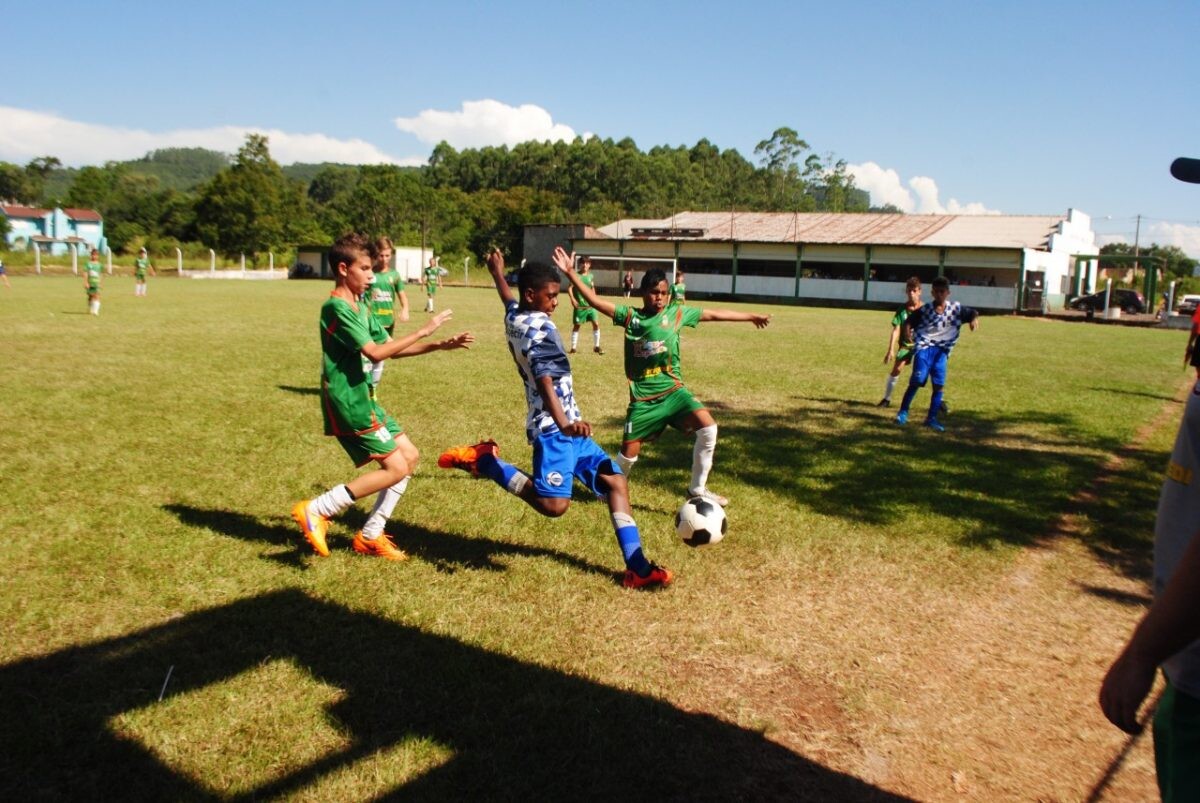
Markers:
(93, 289)
(584, 314)
(646, 420)
(905, 354)
(376, 444)
(140, 275)
(431, 289)
(1176, 745)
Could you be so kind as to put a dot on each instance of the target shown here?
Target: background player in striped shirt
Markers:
(934, 330)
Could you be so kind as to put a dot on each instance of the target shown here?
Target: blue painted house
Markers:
(54, 230)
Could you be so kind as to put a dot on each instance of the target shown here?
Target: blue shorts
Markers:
(557, 459)
(929, 363)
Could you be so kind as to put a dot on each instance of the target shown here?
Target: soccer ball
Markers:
(700, 522)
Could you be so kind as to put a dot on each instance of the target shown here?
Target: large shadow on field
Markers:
(509, 730)
(446, 551)
(998, 485)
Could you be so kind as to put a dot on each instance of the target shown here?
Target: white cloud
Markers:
(1179, 234)
(886, 187)
(27, 134)
(485, 122)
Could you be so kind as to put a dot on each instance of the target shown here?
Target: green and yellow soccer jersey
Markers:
(652, 348)
(898, 320)
(140, 266)
(590, 281)
(383, 295)
(431, 280)
(345, 392)
(678, 293)
(93, 271)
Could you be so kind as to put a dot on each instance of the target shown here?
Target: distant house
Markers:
(54, 230)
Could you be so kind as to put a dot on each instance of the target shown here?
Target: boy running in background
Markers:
(583, 311)
(899, 337)
(433, 280)
(351, 339)
(92, 271)
(563, 449)
(934, 330)
(384, 292)
(657, 397)
(140, 266)
(678, 289)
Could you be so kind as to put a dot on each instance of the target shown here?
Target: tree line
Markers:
(460, 202)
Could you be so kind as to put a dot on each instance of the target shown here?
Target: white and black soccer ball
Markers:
(700, 521)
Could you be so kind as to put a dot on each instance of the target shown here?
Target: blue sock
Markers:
(497, 470)
(631, 543)
(935, 404)
(908, 397)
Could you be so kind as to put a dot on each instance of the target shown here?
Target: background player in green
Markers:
(91, 280)
(350, 340)
(582, 309)
(433, 280)
(657, 396)
(141, 266)
(384, 292)
(899, 346)
(678, 289)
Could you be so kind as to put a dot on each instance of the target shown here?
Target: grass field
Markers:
(893, 613)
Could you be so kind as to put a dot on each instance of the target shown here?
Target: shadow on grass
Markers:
(513, 730)
(299, 391)
(447, 552)
(1142, 393)
(1113, 595)
(994, 481)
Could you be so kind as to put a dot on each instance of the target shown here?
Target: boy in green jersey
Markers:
(384, 292)
(140, 267)
(678, 289)
(912, 291)
(91, 281)
(582, 310)
(350, 340)
(433, 280)
(657, 397)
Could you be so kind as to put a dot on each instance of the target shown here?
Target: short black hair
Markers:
(652, 277)
(941, 282)
(536, 275)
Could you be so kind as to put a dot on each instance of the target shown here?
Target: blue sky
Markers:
(1016, 107)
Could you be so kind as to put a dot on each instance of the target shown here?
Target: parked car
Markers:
(1130, 301)
(1187, 304)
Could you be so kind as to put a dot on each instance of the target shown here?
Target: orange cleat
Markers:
(314, 527)
(657, 578)
(467, 457)
(381, 547)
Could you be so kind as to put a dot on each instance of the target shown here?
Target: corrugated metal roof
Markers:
(963, 231)
(23, 211)
(83, 214)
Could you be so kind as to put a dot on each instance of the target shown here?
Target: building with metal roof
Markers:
(995, 262)
(56, 231)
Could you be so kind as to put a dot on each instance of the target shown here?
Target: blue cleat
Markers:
(935, 425)
(902, 417)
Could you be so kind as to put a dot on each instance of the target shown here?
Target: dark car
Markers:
(1187, 304)
(1130, 301)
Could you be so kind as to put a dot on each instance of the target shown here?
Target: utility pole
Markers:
(1137, 233)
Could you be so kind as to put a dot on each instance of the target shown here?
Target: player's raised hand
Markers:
(495, 262)
(564, 261)
(433, 323)
(462, 340)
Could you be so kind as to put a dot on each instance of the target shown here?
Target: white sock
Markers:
(332, 502)
(518, 482)
(385, 503)
(574, 340)
(376, 372)
(625, 463)
(595, 338)
(891, 385)
(702, 456)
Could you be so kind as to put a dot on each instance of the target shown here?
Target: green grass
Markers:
(151, 456)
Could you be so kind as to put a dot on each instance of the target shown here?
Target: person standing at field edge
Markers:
(140, 266)
(384, 292)
(433, 280)
(934, 330)
(582, 311)
(92, 271)
(351, 339)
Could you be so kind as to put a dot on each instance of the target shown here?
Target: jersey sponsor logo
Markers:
(1180, 474)
(649, 348)
(655, 371)
(554, 478)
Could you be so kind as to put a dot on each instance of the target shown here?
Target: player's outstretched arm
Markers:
(759, 321)
(378, 352)
(1171, 624)
(462, 340)
(566, 263)
(495, 264)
